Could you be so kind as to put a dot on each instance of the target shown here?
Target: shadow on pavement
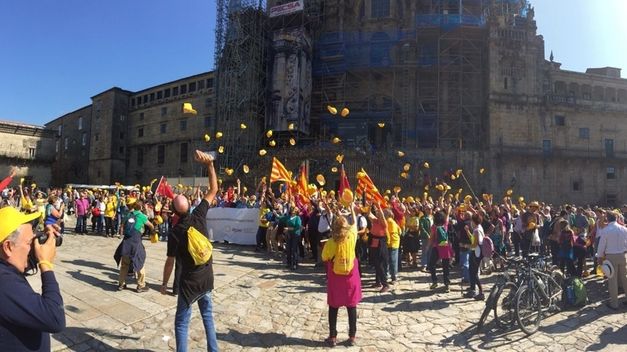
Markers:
(610, 336)
(94, 281)
(90, 264)
(82, 339)
(265, 340)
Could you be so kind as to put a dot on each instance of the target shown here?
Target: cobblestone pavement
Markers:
(259, 306)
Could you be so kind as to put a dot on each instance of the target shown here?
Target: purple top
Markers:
(82, 205)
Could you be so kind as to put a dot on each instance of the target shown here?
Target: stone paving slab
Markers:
(261, 306)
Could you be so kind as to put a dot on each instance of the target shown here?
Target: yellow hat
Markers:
(400, 153)
(292, 141)
(246, 168)
(272, 143)
(332, 110)
(131, 200)
(336, 140)
(381, 124)
(262, 152)
(320, 179)
(334, 169)
(269, 133)
(345, 112)
(242, 126)
(11, 219)
(339, 158)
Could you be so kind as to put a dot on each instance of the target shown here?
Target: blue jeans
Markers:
(463, 260)
(183, 316)
(292, 249)
(81, 224)
(424, 256)
(393, 263)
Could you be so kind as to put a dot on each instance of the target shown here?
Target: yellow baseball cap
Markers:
(11, 219)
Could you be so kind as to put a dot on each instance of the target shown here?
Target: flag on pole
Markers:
(301, 187)
(368, 187)
(279, 172)
(164, 188)
(344, 184)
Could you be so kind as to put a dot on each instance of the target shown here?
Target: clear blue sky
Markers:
(56, 54)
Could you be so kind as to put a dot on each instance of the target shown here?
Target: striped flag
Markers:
(279, 172)
(302, 182)
(366, 185)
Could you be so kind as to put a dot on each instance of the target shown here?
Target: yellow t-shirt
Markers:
(26, 203)
(263, 222)
(110, 209)
(394, 234)
(343, 253)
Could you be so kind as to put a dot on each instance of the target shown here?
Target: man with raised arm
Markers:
(196, 282)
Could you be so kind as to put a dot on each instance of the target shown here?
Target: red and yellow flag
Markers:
(279, 172)
(366, 186)
(301, 187)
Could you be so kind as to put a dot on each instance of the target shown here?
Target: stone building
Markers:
(460, 84)
(72, 138)
(30, 148)
(133, 137)
(160, 137)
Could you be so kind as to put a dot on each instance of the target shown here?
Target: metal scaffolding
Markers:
(241, 62)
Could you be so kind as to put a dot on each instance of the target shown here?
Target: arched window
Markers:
(380, 8)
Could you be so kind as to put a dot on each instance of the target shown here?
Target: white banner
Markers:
(237, 226)
(286, 9)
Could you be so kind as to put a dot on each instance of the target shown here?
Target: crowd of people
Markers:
(347, 237)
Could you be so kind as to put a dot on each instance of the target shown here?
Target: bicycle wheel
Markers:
(528, 309)
(489, 305)
(556, 289)
(505, 307)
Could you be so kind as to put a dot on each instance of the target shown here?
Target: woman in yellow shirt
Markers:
(343, 281)
(394, 242)
(109, 214)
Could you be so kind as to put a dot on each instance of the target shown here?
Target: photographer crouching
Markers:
(27, 318)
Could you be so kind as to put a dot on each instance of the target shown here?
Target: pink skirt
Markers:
(343, 290)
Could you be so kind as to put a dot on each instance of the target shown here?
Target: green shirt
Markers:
(425, 226)
(140, 219)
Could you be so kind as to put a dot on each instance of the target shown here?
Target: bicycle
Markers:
(507, 283)
(539, 292)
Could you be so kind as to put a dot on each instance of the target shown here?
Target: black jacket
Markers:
(26, 317)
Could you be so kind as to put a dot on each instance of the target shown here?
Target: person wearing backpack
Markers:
(441, 249)
(343, 281)
(475, 257)
(613, 246)
(131, 252)
(196, 282)
(567, 242)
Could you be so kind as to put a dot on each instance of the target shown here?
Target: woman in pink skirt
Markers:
(343, 282)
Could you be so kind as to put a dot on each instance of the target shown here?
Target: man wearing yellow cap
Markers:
(27, 318)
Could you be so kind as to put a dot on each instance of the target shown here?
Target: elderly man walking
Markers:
(613, 246)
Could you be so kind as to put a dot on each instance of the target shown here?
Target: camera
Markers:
(42, 237)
